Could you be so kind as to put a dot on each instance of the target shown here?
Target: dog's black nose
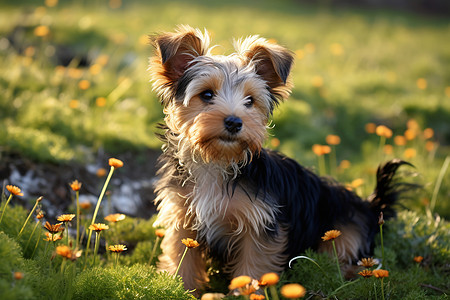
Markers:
(233, 124)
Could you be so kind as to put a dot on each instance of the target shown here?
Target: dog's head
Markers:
(218, 105)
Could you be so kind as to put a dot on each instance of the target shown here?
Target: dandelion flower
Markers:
(293, 290)
(418, 259)
(380, 273)
(368, 262)
(331, 235)
(333, 139)
(117, 248)
(190, 243)
(239, 282)
(366, 273)
(115, 218)
(116, 163)
(53, 228)
(98, 227)
(269, 279)
(14, 190)
(160, 232)
(66, 218)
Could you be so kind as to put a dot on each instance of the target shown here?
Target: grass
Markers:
(75, 82)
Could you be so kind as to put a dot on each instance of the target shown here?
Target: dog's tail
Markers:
(388, 190)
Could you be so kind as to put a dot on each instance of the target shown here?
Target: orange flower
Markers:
(117, 248)
(53, 228)
(332, 139)
(345, 164)
(380, 273)
(366, 273)
(429, 146)
(321, 149)
(190, 243)
(269, 279)
(239, 282)
(75, 185)
(331, 235)
(84, 84)
(85, 205)
(418, 259)
(68, 253)
(160, 232)
(66, 218)
(422, 83)
(368, 262)
(410, 134)
(53, 238)
(115, 218)
(428, 133)
(116, 163)
(388, 149)
(39, 214)
(357, 183)
(383, 131)
(410, 153)
(400, 140)
(41, 31)
(98, 227)
(293, 291)
(257, 297)
(101, 172)
(18, 275)
(370, 127)
(14, 190)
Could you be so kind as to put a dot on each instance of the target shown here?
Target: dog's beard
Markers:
(216, 145)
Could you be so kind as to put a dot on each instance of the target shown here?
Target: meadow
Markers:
(370, 85)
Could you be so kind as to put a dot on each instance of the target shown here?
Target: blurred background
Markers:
(74, 91)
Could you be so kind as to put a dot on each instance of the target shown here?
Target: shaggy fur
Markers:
(250, 208)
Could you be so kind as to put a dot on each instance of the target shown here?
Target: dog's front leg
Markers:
(193, 267)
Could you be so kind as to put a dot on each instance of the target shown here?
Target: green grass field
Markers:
(74, 81)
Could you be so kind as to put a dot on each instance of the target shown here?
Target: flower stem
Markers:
(382, 288)
(337, 261)
(111, 171)
(28, 218)
(97, 241)
(77, 196)
(37, 242)
(265, 293)
(382, 247)
(154, 250)
(273, 292)
(4, 207)
(31, 235)
(181, 260)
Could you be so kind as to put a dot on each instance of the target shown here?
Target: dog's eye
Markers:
(207, 96)
(249, 101)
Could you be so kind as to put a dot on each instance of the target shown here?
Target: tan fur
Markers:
(347, 244)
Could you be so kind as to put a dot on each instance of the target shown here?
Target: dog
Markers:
(250, 208)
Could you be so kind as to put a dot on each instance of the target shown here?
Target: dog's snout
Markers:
(233, 124)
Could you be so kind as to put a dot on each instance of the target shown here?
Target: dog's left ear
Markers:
(272, 62)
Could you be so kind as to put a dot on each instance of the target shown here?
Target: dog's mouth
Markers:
(227, 139)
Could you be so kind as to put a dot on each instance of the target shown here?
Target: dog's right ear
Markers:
(174, 53)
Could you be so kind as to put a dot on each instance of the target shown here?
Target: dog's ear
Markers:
(271, 61)
(174, 52)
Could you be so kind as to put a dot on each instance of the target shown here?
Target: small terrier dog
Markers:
(250, 208)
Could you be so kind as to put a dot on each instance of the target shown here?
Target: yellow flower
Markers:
(116, 163)
(66, 218)
(421, 83)
(293, 291)
(75, 185)
(117, 248)
(84, 84)
(115, 218)
(368, 262)
(160, 232)
(98, 227)
(269, 279)
(190, 243)
(51, 3)
(53, 238)
(239, 282)
(357, 183)
(382, 130)
(14, 190)
(366, 273)
(380, 273)
(331, 235)
(333, 139)
(41, 31)
(100, 101)
(336, 49)
(53, 228)
(418, 259)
